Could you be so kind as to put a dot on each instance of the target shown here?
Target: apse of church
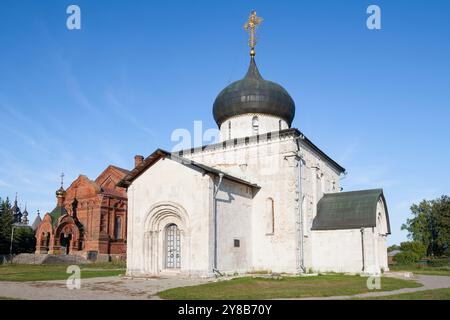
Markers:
(89, 219)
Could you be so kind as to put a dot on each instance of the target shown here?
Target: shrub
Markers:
(406, 257)
(439, 262)
(415, 247)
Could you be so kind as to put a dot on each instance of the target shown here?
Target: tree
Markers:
(24, 240)
(416, 247)
(411, 252)
(6, 221)
(430, 225)
(393, 247)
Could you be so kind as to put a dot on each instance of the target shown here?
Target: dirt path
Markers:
(106, 288)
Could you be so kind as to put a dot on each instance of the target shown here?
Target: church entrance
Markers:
(65, 241)
(173, 247)
(47, 242)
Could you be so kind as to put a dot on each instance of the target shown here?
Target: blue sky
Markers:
(378, 102)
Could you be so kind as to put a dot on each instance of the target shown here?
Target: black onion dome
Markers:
(253, 94)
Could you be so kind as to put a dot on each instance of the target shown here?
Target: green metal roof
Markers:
(349, 210)
(56, 214)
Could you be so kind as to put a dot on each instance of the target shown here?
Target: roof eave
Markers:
(159, 153)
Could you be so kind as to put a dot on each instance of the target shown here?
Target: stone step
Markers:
(31, 258)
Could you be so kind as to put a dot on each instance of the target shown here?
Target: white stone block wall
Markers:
(169, 192)
(247, 125)
(273, 166)
(338, 251)
(243, 214)
(234, 220)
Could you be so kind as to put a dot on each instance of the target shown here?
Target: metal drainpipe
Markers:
(301, 267)
(11, 244)
(362, 249)
(215, 270)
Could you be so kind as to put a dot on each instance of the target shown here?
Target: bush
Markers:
(415, 247)
(406, 257)
(393, 248)
(439, 262)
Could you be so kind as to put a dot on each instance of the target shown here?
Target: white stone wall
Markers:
(341, 250)
(169, 192)
(267, 222)
(234, 221)
(264, 164)
(381, 236)
(337, 251)
(272, 164)
(318, 177)
(247, 125)
(375, 243)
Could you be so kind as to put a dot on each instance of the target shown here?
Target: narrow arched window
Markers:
(381, 229)
(270, 216)
(229, 130)
(279, 125)
(118, 228)
(255, 125)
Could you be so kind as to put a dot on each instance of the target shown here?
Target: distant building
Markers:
(17, 213)
(19, 216)
(37, 221)
(391, 256)
(89, 218)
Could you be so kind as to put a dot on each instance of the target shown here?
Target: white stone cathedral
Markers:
(265, 198)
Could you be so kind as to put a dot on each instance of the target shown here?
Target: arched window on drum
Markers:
(255, 125)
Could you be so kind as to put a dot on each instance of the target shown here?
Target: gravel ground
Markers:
(105, 288)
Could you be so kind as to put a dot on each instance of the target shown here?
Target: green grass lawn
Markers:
(436, 294)
(289, 287)
(420, 269)
(27, 272)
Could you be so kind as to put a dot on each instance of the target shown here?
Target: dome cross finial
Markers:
(251, 25)
(62, 179)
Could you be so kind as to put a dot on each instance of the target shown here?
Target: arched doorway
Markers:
(65, 241)
(47, 241)
(67, 236)
(172, 247)
(166, 240)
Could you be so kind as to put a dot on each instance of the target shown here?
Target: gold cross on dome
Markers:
(251, 25)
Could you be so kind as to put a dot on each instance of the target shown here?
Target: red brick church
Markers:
(90, 219)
